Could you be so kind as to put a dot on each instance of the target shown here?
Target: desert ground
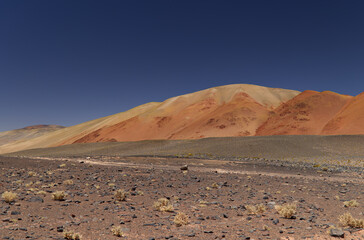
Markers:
(279, 187)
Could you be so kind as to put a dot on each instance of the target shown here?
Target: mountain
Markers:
(26, 133)
(231, 110)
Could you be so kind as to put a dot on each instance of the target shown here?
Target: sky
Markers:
(66, 62)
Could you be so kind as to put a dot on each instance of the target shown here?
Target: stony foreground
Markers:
(218, 198)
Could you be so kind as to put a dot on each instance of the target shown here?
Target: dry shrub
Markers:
(42, 193)
(348, 220)
(8, 196)
(257, 209)
(58, 195)
(120, 195)
(18, 181)
(68, 182)
(117, 231)
(32, 174)
(72, 236)
(180, 219)
(163, 205)
(140, 193)
(287, 210)
(351, 203)
(28, 184)
(215, 185)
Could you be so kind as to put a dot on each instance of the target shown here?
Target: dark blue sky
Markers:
(66, 62)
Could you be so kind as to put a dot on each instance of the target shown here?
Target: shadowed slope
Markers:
(27, 133)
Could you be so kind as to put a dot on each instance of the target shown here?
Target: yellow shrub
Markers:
(163, 205)
(286, 210)
(9, 196)
(348, 220)
(180, 219)
(58, 195)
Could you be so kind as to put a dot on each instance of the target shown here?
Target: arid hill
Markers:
(231, 110)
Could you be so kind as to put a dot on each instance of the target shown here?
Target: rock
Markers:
(184, 168)
(15, 213)
(335, 232)
(36, 199)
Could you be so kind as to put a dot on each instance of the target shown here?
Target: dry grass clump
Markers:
(120, 195)
(68, 182)
(44, 193)
(72, 236)
(257, 209)
(351, 203)
(58, 195)
(117, 231)
(215, 185)
(163, 205)
(18, 181)
(348, 220)
(180, 219)
(28, 184)
(8, 196)
(287, 210)
(141, 193)
(32, 174)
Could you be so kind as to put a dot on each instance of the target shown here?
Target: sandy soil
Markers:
(215, 194)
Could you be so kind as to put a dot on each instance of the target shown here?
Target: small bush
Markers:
(117, 231)
(68, 182)
(348, 220)
(215, 185)
(72, 236)
(257, 209)
(163, 205)
(180, 219)
(42, 193)
(120, 195)
(32, 174)
(351, 203)
(140, 193)
(286, 210)
(28, 184)
(8, 196)
(58, 195)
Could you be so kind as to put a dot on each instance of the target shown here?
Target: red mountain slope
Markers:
(306, 114)
(350, 120)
